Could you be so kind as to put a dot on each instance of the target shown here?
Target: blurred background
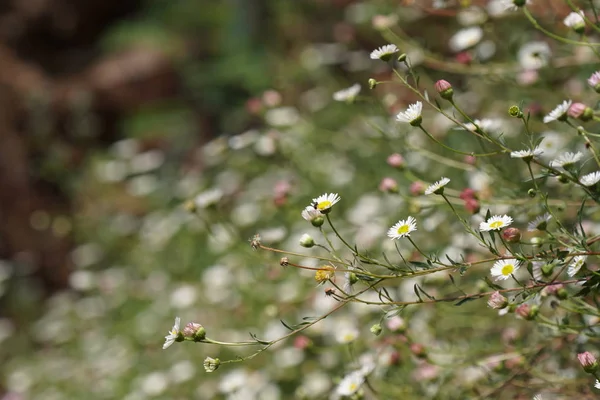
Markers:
(144, 142)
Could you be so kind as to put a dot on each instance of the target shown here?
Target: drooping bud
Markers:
(372, 83)
(376, 329)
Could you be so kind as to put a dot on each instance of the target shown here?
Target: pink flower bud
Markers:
(395, 160)
(388, 185)
(588, 362)
(472, 206)
(576, 110)
(444, 88)
(512, 235)
(417, 188)
(497, 301)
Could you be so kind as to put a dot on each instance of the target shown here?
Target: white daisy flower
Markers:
(348, 94)
(438, 187)
(575, 20)
(597, 384)
(503, 269)
(594, 80)
(402, 228)
(510, 5)
(567, 159)
(534, 55)
(384, 52)
(590, 179)
(559, 113)
(346, 334)
(465, 38)
(350, 384)
(487, 125)
(526, 154)
(173, 334)
(540, 223)
(324, 202)
(310, 214)
(412, 115)
(495, 223)
(575, 265)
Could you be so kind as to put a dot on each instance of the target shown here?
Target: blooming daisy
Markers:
(526, 154)
(534, 55)
(348, 94)
(594, 80)
(402, 228)
(495, 223)
(575, 20)
(310, 214)
(567, 159)
(590, 179)
(503, 269)
(350, 384)
(412, 115)
(540, 223)
(173, 334)
(438, 187)
(465, 38)
(575, 265)
(384, 52)
(559, 113)
(324, 202)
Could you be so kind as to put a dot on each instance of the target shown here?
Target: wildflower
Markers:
(512, 5)
(465, 38)
(384, 53)
(588, 362)
(590, 179)
(346, 334)
(495, 223)
(211, 364)
(313, 216)
(503, 269)
(497, 301)
(575, 20)
(396, 324)
(402, 228)
(512, 235)
(395, 160)
(307, 241)
(527, 312)
(444, 88)
(174, 334)
(412, 115)
(594, 81)
(534, 55)
(486, 125)
(324, 202)
(438, 187)
(566, 160)
(194, 330)
(348, 94)
(324, 273)
(540, 223)
(376, 329)
(559, 113)
(350, 384)
(388, 185)
(526, 155)
(575, 265)
(597, 384)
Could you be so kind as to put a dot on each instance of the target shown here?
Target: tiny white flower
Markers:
(503, 269)
(465, 38)
(510, 5)
(346, 334)
(534, 55)
(597, 384)
(384, 52)
(348, 94)
(438, 187)
(575, 265)
(574, 20)
(310, 214)
(594, 80)
(590, 179)
(402, 228)
(324, 202)
(526, 154)
(412, 115)
(559, 112)
(487, 125)
(567, 159)
(173, 334)
(539, 224)
(350, 384)
(495, 223)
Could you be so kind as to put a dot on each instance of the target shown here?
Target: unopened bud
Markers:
(497, 301)
(376, 329)
(515, 111)
(588, 362)
(444, 88)
(211, 364)
(195, 331)
(576, 110)
(395, 160)
(418, 350)
(388, 185)
(284, 262)
(307, 241)
(402, 57)
(372, 83)
(532, 193)
(512, 235)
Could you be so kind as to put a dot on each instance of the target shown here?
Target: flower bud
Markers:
(376, 329)
(418, 350)
(547, 269)
(497, 301)
(515, 111)
(472, 206)
(396, 324)
(388, 185)
(444, 88)
(395, 160)
(302, 342)
(372, 83)
(588, 362)
(324, 273)
(190, 206)
(527, 312)
(284, 262)
(194, 330)
(512, 235)
(307, 241)
(402, 57)
(576, 110)
(532, 193)
(417, 188)
(211, 364)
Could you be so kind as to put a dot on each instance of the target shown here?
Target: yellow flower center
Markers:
(324, 205)
(496, 224)
(403, 229)
(508, 269)
(324, 273)
(353, 386)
